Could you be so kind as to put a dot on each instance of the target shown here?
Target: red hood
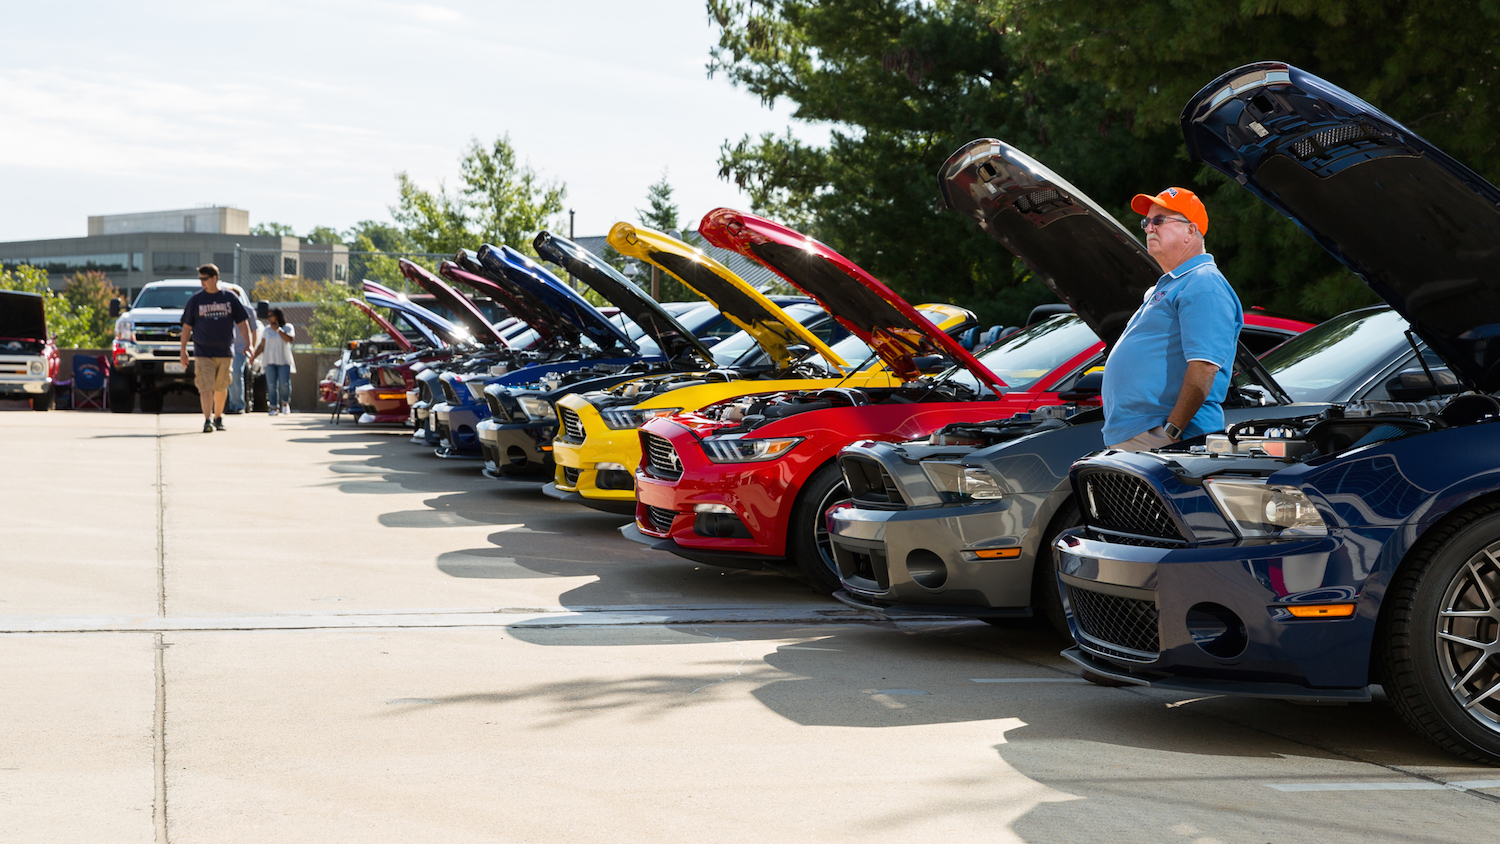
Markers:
(462, 308)
(873, 312)
(385, 325)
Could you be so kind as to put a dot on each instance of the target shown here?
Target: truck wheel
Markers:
(1046, 598)
(151, 401)
(258, 394)
(808, 540)
(1439, 643)
(45, 401)
(121, 396)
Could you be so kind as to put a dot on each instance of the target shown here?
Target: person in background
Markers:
(276, 345)
(209, 320)
(235, 404)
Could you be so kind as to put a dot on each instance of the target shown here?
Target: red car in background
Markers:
(746, 483)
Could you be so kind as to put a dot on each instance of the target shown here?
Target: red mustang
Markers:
(746, 482)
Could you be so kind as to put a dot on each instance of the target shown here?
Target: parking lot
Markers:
(294, 631)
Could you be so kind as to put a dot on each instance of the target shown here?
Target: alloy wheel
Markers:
(1468, 637)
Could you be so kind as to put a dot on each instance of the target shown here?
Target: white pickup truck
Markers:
(147, 345)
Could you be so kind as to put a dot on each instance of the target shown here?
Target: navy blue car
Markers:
(1313, 557)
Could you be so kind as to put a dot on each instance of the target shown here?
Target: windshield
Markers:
(1029, 355)
(1318, 364)
(172, 298)
(741, 351)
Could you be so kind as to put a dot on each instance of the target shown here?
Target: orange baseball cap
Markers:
(1181, 200)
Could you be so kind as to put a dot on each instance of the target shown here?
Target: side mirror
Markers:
(262, 310)
(1087, 387)
(114, 308)
(930, 364)
(1414, 385)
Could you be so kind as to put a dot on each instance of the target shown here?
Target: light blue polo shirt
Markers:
(1191, 314)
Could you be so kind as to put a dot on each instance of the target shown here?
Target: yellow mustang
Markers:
(597, 447)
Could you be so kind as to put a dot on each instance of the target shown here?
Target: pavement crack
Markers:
(161, 533)
(738, 672)
(159, 732)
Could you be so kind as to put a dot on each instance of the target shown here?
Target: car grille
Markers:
(869, 483)
(570, 476)
(1123, 508)
(158, 333)
(496, 411)
(572, 426)
(661, 457)
(448, 393)
(1127, 624)
(660, 519)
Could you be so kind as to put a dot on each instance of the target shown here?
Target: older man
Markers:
(1169, 372)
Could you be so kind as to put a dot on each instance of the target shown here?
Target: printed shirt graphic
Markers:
(213, 317)
(1191, 314)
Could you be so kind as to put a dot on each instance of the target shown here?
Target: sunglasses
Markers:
(1161, 219)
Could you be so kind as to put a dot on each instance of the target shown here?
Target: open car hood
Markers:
(773, 329)
(549, 325)
(1420, 228)
(437, 330)
(385, 325)
(670, 335)
(559, 296)
(454, 301)
(890, 326)
(23, 316)
(1077, 248)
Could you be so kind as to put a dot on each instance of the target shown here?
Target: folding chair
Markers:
(90, 379)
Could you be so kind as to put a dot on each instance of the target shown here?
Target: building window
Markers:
(289, 266)
(118, 262)
(137, 262)
(174, 262)
(340, 272)
(260, 264)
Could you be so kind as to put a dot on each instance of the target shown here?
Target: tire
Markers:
(1046, 598)
(1447, 690)
(807, 539)
(151, 401)
(46, 401)
(121, 395)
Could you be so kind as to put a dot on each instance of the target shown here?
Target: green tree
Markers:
(89, 294)
(662, 215)
(380, 237)
(335, 322)
(323, 234)
(272, 230)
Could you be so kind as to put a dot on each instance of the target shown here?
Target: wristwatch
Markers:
(1172, 431)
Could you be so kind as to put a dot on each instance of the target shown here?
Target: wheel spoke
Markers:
(1484, 588)
(1469, 675)
(1468, 613)
(1481, 646)
(1487, 694)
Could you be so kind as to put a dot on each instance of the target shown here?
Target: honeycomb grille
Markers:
(660, 519)
(869, 483)
(570, 476)
(1124, 504)
(1128, 623)
(1315, 145)
(661, 458)
(572, 426)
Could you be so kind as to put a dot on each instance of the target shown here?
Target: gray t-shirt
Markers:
(278, 349)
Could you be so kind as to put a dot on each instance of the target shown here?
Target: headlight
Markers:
(1259, 509)
(632, 417)
(36, 367)
(537, 410)
(956, 482)
(736, 450)
(125, 330)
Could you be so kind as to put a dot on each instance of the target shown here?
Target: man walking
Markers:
(209, 320)
(1167, 376)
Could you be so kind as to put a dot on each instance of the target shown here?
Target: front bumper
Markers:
(1214, 617)
(382, 405)
(30, 385)
(516, 449)
(878, 550)
(577, 466)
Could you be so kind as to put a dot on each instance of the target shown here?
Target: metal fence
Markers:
(324, 263)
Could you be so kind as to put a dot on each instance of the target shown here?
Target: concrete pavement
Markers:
(292, 631)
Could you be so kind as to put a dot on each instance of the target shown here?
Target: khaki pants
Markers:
(1150, 440)
(212, 375)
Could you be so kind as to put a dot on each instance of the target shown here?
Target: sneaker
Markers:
(219, 422)
(208, 427)
(286, 408)
(273, 411)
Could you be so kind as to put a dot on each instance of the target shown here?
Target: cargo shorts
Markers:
(212, 375)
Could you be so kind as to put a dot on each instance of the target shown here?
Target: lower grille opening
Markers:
(1126, 626)
(660, 518)
(570, 476)
(868, 566)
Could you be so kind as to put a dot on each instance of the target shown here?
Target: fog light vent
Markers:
(926, 568)
(1217, 630)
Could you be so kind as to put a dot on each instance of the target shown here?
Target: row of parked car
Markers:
(1343, 532)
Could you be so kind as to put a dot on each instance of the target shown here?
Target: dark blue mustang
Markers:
(1309, 558)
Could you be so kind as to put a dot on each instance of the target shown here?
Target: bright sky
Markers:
(303, 112)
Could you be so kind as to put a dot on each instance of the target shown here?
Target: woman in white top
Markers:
(276, 343)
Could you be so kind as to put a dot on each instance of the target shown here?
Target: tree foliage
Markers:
(662, 214)
(1090, 87)
(88, 294)
(272, 230)
(498, 201)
